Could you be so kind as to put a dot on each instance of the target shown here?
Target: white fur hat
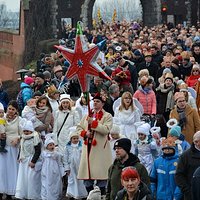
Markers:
(64, 97)
(73, 132)
(1, 106)
(155, 130)
(28, 126)
(115, 129)
(48, 140)
(172, 122)
(144, 128)
(95, 194)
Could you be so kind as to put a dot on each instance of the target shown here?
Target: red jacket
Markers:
(192, 80)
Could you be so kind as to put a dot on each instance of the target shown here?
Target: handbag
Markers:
(62, 124)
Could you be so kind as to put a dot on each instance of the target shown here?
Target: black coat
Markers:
(108, 106)
(188, 162)
(196, 184)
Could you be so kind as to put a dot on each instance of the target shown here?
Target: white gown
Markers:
(51, 175)
(72, 157)
(8, 161)
(29, 179)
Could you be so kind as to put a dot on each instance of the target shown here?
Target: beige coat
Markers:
(96, 165)
(192, 124)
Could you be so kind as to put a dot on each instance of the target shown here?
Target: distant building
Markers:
(179, 11)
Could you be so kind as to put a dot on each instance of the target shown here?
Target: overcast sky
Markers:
(12, 5)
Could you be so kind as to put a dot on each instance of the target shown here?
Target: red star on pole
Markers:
(82, 62)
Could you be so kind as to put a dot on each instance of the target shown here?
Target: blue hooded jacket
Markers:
(162, 178)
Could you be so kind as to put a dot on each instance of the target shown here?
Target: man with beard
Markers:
(123, 159)
(165, 101)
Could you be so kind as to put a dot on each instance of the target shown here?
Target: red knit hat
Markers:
(28, 80)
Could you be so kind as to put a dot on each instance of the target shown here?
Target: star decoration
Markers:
(82, 61)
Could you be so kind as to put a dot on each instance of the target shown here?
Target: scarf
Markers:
(170, 99)
(144, 90)
(182, 117)
(36, 141)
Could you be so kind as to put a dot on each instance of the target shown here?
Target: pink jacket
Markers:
(148, 100)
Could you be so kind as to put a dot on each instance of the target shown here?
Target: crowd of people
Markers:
(140, 139)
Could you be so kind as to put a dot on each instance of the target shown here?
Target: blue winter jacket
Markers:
(27, 92)
(162, 178)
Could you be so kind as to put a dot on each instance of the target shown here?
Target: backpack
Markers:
(20, 101)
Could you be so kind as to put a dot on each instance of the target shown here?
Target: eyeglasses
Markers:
(127, 98)
(195, 70)
(181, 101)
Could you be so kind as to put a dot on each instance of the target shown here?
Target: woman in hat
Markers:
(12, 135)
(72, 156)
(65, 117)
(188, 97)
(133, 187)
(29, 165)
(187, 117)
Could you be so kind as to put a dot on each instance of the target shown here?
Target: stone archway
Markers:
(151, 12)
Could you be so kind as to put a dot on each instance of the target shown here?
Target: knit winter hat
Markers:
(178, 95)
(115, 129)
(28, 126)
(47, 74)
(144, 129)
(124, 143)
(64, 97)
(1, 106)
(169, 76)
(37, 93)
(40, 75)
(183, 87)
(166, 70)
(175, 131)
(28, 80)
(95, 194)
(73, 132)
(48, 140)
